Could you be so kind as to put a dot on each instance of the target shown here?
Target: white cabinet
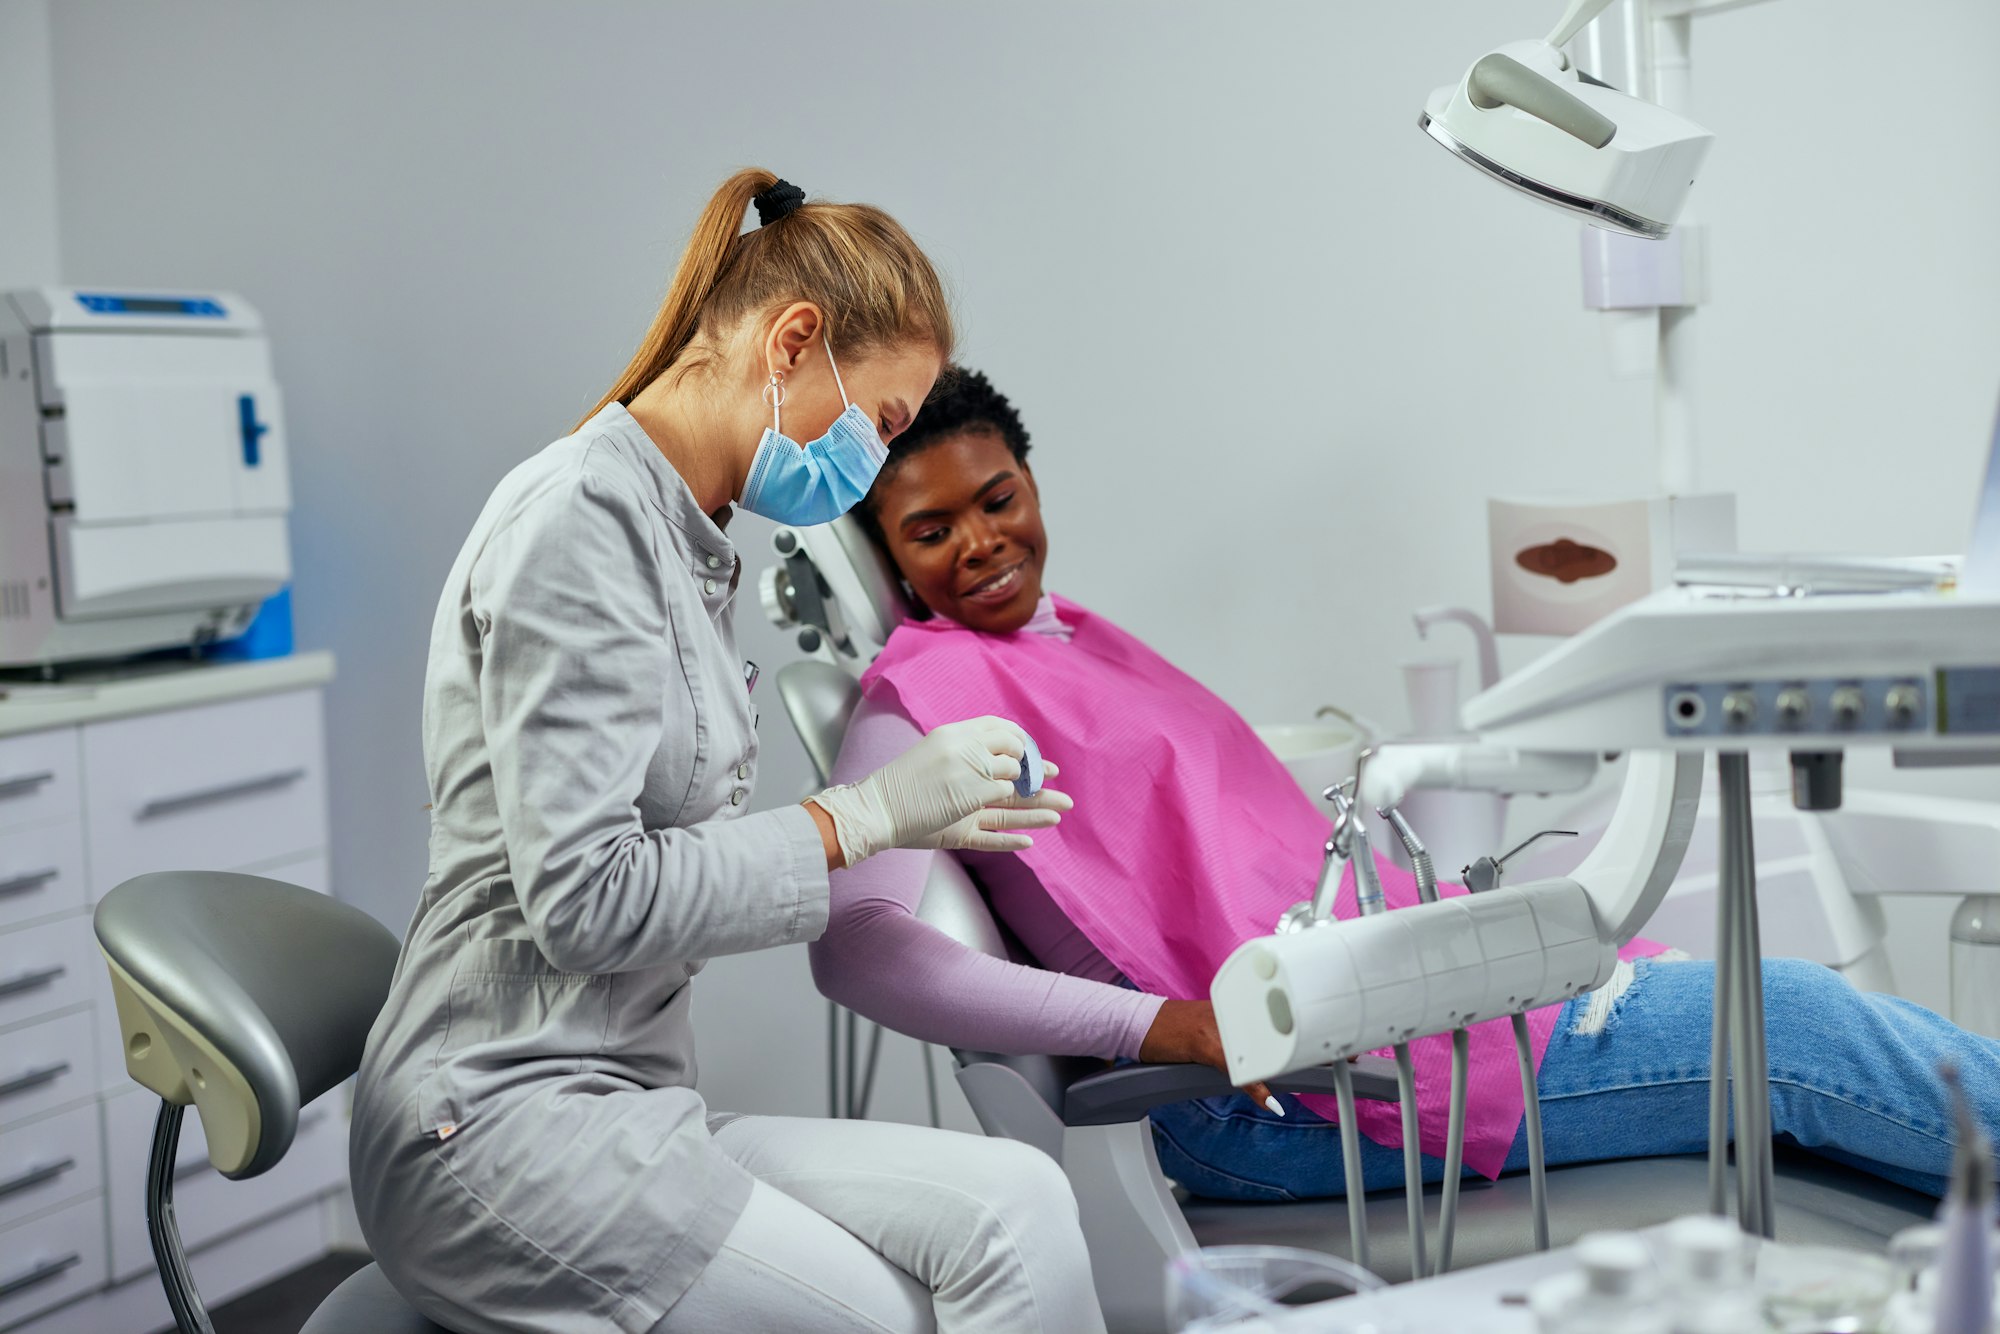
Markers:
(50, 1259)
(41, 871)
(48, 1162)
(211, 789)
(229, 780)
(38, 777)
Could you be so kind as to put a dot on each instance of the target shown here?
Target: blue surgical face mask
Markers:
(821, 480)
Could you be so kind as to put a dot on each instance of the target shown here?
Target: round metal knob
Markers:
(1794, 707)
(1902, 704)
(1739, 708)
(1848, 705)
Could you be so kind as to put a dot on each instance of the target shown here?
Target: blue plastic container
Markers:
(269, 635)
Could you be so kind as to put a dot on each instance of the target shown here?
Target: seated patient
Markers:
(1189, 837)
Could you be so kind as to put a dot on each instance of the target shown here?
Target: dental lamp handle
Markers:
(1396, 770)
(1502, 81)
(1482, 635)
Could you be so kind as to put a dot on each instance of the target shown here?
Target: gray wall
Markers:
(1274, 347)
(28, 249)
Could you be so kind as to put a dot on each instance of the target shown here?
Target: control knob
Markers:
(1739, 708)
(1902, 704)
(1794, 706)
(1848, 705)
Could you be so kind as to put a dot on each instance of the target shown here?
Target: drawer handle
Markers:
(41, 1273)
(34, 1079)
(208, 796)
(35, 981)
(196, 1166)
(25, 784)
(35, 1176)
(21, 884)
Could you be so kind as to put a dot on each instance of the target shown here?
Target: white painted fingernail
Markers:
(1272, 1103)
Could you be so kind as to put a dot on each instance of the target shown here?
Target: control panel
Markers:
(1849, 706)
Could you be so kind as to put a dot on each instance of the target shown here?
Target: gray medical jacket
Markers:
(528, 1149)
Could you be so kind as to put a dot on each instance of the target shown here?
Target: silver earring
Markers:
(774, 394)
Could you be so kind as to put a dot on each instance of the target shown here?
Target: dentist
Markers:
(529, 1151)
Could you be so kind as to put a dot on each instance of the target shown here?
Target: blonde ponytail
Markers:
(853, 261)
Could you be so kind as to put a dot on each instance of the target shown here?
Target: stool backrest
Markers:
(244, 996)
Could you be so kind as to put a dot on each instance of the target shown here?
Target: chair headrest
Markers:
(863, 580)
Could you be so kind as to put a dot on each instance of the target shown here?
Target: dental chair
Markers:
(248, 998)
(834, 587)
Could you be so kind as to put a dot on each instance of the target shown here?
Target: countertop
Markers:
(150, 688)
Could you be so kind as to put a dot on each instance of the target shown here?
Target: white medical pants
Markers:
(866, 1225)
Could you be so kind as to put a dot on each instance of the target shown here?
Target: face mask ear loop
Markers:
(774, 394)
(844, 399)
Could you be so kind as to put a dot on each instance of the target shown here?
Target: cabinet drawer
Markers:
(38, 777)
(207, 1204)
(48, 1161)
(41, 870)
(204, 789)
(45, 1065)
(46, 1261)
(46, 968)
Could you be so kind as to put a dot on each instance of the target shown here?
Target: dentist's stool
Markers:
(248, 998)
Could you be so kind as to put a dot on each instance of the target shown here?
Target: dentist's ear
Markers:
(793, 336)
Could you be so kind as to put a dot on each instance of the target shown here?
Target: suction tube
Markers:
(1538, 1168)
(1413, 1158)
(1454, 1147)
(1350, 1161)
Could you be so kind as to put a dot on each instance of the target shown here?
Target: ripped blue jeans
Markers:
(1853, 1078)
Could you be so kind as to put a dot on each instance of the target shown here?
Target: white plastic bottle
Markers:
(1708, 1277)
(1614, 1293)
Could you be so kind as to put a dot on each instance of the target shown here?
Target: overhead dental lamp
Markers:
(1528, 117)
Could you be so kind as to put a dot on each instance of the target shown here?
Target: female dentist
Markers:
(529, 1151)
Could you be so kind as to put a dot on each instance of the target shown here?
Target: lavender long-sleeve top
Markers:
(878, 959)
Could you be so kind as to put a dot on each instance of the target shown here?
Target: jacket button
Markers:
(743, 769)
(708, 585)
(714, 562)
(736, 797)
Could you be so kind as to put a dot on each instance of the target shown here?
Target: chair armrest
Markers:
(1128, 1092)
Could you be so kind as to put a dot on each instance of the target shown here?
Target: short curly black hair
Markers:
(963, 400)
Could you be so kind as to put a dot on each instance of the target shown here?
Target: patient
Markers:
(1188, 837)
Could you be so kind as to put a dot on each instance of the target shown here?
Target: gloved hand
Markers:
(953, 789)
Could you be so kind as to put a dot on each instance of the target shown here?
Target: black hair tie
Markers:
(781, 199)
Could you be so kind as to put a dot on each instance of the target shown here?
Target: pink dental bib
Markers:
(1188, 838)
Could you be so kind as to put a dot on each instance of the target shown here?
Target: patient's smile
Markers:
(999, 587)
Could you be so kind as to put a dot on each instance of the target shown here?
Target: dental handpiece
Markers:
(1329, 879)
(1335, 862)
(1420, 857)
(1368, 896)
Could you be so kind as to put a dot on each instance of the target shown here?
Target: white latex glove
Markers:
(953, 789)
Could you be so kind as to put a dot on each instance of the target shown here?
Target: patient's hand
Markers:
(1185, 1031)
